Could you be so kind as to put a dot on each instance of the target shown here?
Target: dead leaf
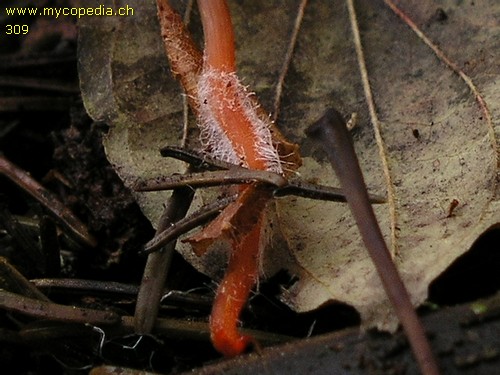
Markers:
(437, 141)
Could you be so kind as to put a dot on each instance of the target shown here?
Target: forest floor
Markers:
(45, 131)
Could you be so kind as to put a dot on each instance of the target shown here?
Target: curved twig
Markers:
(332, 133)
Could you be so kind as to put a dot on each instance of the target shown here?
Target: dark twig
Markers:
(210, 211)
(288, 59)
(319, 192)
(332, 133)
(13, 281)
(197, 160)
(155, 272)
(157, 265)
(48, 310)
(62, 214)
(72, 286)
(91, 286)
(230, 174)
(182, 226)
(234, 174)
(199, 331)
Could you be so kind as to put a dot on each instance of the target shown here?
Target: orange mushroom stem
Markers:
(231, 127)
(232, 130)
(219, 36)
(232, 295)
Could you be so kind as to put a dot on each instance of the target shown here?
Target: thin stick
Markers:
(305, 189)
(85, 285)
(182, 226)
(197, 160)
(158, 263)
(185, 60)
(185, 120)
(48, 310)
(234, 174)
(208, 212)
(332, 133)
(65, 286)
(13, 281)
(62, 214)
(199, 331)
(391, 200)
(237, 175)
(288, 59)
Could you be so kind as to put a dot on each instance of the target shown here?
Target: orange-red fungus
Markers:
(234, 129)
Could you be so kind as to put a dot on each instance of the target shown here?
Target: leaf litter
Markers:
(435, 139)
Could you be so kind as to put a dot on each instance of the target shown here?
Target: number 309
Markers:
(16, 29)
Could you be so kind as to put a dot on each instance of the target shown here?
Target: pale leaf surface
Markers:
(437, 141)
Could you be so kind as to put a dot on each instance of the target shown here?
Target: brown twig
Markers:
(284, 187)
(288, 59)
(185, 63)
(62, 214)
(232, 174)
(13, 281)
(156, 270)
(48, 310)
(85, 285)
(199, 331)
(182, 226)
(237, 175)
(196, 159)
(332, 133)
(308, 190)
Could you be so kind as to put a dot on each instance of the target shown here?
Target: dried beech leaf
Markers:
(438, 142)
(125, 81)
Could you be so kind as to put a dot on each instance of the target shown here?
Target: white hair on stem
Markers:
(214, 138)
